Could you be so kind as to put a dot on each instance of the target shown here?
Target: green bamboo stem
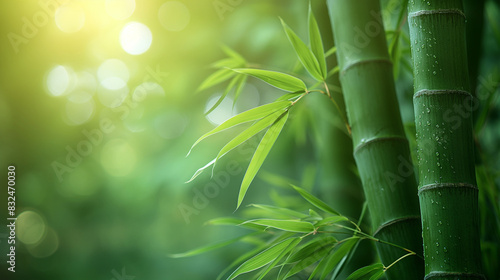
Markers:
(380, 147)
(448, 192)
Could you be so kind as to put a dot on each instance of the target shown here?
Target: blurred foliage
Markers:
(121, 206)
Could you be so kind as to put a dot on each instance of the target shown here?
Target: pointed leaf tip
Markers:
(260, 155)
(276, 79)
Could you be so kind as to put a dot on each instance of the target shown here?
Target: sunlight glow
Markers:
(174, 16)
(136, 38)
(120, 9)
(58, 81)
(113, 68)
(78, 113)
(70, 18)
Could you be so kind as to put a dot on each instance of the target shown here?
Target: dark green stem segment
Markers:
(443, 114)
(380, 147)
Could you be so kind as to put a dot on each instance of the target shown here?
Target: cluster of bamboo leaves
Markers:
(271, 117)
(288, 242)
(293, 241)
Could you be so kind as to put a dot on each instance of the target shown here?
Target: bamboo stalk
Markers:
(448, 192)
(380, 147)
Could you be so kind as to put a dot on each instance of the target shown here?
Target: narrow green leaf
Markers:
(316, 42)
(226, 91)
(209, 247)
(315, 215)
(249, 132)
(262, 258)
(289, 96)
(305, 55)
(315, 201)
(235, 222)
(377, 275)
(239, 88)
(240, 260)
(232, 53)
(286, 225)
(366, 272)
(280, 210)
(309, 260)
(247, 116)
(290, 247)
(334, 259)
(260, 155)
(331, 220)
(199, 171)
(227, 63)
(216, 78)
(277, 79)
(310, 248)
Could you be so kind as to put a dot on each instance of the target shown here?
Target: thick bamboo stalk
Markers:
(448, 192)
(380, 147)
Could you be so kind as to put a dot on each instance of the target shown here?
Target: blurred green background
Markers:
(99, 107)
(102, 200)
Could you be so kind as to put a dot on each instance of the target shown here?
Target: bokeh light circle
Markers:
(30, 227)
(58, 80)
(78, 113)
(47, 246)
(110, 94)
(113, 68)
(70, 18)
(136, 38)
(118, 158)
(174, 16)
(222, 113)
(120, 9)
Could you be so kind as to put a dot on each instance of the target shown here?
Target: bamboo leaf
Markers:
(334, 259)
(289, 96)
(227, 63)
(232, 53)
(240, 259)
(247, 116)
(280, 210)
(209, 247)
(312, 258)
(281, 255)
(310, 248)
(316, 43)
(305, 55)
(249, 132)
(315, 201)
(260, 155)
(286, 225)
(221, 98)
(235, 222)
(366, 272)
(331, 220)
(377, 275)
(199, 171)
(216, 78)
(239, 89)
(262, 258)
(276, 79)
